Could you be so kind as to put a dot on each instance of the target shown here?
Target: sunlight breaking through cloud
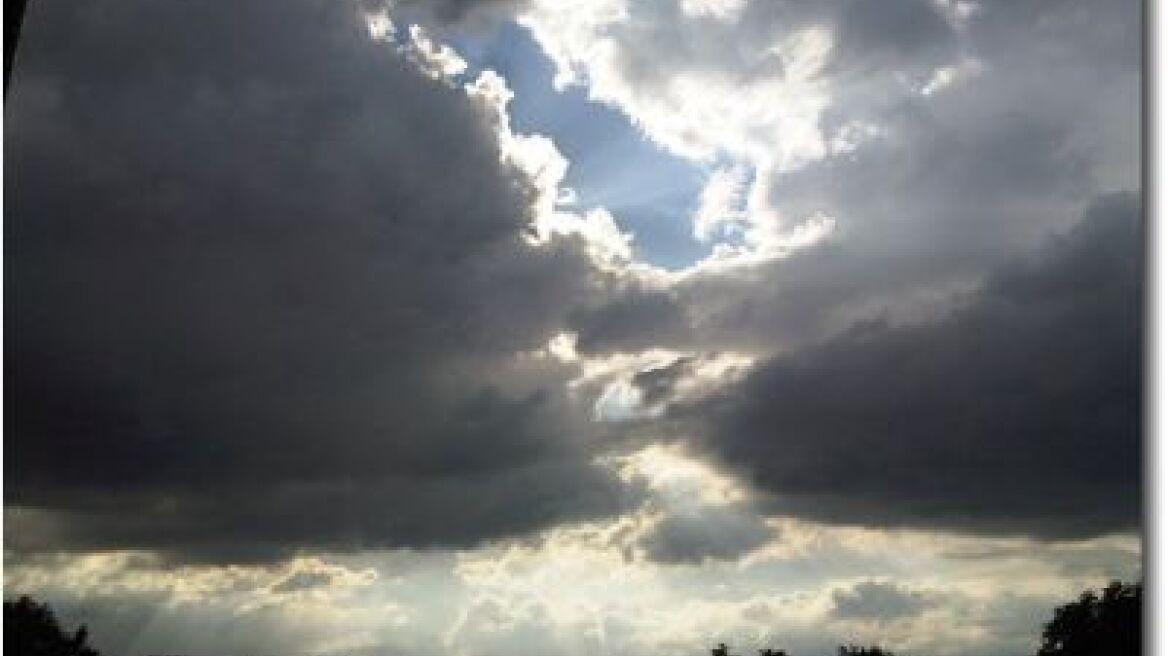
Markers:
(357, 368)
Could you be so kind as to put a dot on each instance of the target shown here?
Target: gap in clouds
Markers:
(649, 191)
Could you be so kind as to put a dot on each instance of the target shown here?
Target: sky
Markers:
(602, 327)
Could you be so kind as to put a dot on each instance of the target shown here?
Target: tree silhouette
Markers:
(31, 629)
(13, 19)
(1107, 625)
(852, 650)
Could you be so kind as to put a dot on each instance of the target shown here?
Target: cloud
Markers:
(657, 384)
(274, 289)
(901, 33)
(876, 600)
(1017, 412)
(706, 532)
(756, 88)
(283, 297)
(630, 318)
(313, 575)
(459, 13)
(909, 197)
(570, 591)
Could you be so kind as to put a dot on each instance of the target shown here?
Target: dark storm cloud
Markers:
(266, 284)
(1019, 412)
(461, 11)
(706, 533)
(632, 319)
(875, 600)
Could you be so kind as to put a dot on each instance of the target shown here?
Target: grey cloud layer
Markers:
(266, 287)
(876, 600)
(706, 533)
(907, 377)
(950, 186)
(460, 12)
(1019, 412)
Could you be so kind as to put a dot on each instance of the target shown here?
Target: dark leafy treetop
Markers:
(1107, 624)
(31, 629)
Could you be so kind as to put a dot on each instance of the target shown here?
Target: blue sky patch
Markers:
(649, 191)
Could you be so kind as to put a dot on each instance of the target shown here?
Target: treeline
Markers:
(1107, 623)
(844, 650)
